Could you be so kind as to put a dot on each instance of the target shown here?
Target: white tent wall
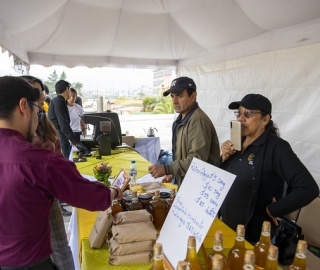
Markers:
(290, 78)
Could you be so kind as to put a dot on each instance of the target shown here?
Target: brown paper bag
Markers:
(117, 249)
(132, 217)
(134, 232)
(134, 258)
(100, 228)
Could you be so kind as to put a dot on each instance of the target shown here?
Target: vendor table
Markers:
(82, 220)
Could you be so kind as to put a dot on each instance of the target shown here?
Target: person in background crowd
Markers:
(76, 114)
(78, 100)
(193, 134)
(31, 178)
(262, 166)
(46, 136)
(59, 116)
(47, 99)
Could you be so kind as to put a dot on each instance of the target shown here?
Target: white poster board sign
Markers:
(196, 205)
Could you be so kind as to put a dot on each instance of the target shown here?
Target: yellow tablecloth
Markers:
(98, 258)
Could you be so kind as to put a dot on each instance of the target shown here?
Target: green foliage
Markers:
(63, 76)
(78, 86)
(53, 78)
(164, 105)
(148, 103)
(158, 105)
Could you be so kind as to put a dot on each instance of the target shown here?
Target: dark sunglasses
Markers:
(40, 112)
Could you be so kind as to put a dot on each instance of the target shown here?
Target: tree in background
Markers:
(63, 76)
(148, 103)
(53, 78)
(163, 105)
(158, 105)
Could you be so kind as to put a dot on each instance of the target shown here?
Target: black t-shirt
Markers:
(235, 206)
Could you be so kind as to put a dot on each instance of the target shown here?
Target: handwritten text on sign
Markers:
(196, 205)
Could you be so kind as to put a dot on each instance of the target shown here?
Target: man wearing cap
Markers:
(262, 166)
(193, 134)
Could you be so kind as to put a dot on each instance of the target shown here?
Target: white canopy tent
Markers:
(229, 47)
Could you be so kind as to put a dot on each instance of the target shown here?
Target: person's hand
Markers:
(116, 193)
(274, 219)
(157, 170)
(167, 178)
(227, 150)
(82, 149)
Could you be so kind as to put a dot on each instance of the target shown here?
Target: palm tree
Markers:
(163, 105)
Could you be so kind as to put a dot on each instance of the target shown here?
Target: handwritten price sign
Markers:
(194, 209)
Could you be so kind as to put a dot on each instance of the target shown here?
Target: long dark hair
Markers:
(45, 129)
(271, 126)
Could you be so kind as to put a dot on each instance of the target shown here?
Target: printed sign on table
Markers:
(194, 208)
(121, 180)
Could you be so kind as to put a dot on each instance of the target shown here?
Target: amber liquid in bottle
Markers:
(217, 249)
(272, 259)
(135, 204)
(261, 248)
(169, 202)
(157, 263)
(236, 253)
(217, 262)
(249, 259)
(157, 209)
(300, 259)
(116, 207)
(182, 265)
(191, 257)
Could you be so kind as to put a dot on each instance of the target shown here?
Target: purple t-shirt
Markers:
(29, 180)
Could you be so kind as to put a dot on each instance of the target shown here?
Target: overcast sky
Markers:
(92, 78)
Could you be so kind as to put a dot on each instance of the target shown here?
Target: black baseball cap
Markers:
(180, 84)
(253, 102)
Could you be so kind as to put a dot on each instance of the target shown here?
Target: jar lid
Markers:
(127, 198)
(145, 196)
(164, 195)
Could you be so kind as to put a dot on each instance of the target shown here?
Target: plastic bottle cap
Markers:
(133, 161)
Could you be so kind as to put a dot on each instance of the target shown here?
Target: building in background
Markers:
(162, 79)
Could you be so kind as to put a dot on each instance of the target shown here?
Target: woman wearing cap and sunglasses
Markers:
(263, 165)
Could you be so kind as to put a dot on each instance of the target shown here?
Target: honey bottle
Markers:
(157, 208)
(191, 257)
(272, 259)
(182, 265)
(169, 201)
(261, 248)
(157, 263)
(217, 262)
(300, 258)
(249, 259)
(135, 204)
(217, 249)
(236, 253)
(116, 207)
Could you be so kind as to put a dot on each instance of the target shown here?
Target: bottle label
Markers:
(265, 234)
(218, 248)
(133, 171)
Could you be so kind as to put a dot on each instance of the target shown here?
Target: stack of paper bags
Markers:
(133, 237)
